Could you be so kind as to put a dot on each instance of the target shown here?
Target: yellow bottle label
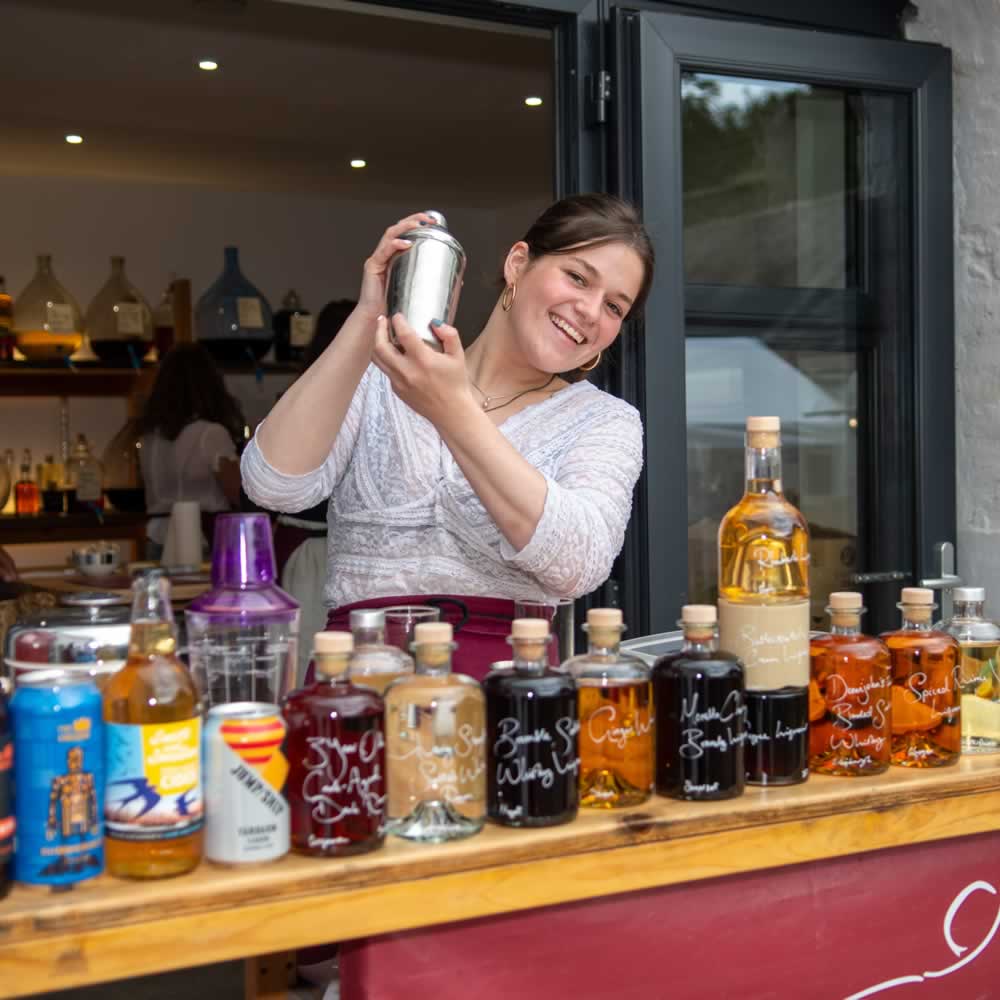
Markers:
(772, 640)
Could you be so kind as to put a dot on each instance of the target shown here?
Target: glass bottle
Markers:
(435, 745)
(10, 506)
(6, 323)
(163, 320)
(232, 318)
(293, 328)
(979, 670)
(375, 665)
(616, 717)
(336, 754)
(26, 495)
(48, 324)
(532, 728)
(850, 695)
(698, 693)
(926, 695)
(119, 323)
(51, 486)
(84, 478)
(764, 611)
(153, 810)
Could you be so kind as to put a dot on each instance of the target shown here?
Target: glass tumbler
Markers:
(402, 619)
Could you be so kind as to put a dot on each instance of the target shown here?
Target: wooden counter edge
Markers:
(266, 924)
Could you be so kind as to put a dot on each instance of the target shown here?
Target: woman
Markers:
(189, 429)
(490, 474)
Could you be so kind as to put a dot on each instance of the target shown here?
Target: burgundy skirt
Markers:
(481, 625)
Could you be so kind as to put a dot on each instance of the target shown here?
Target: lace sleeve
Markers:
(587, 508)
(276, 490)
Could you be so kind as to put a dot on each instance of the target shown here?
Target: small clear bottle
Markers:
(700, 714)
(84, 477)
(532, 727)
(435, 753)
(26, 494)
(850, 695)
(979, 669)
(926, 696)
(616, 717)
(336, 753)
(373, 664)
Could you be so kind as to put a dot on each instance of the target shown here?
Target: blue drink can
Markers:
(58, 778)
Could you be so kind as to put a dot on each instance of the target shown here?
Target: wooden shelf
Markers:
(102, 929)
(31, 528)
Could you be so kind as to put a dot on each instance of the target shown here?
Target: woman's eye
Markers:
(615, 309)
(576, 277)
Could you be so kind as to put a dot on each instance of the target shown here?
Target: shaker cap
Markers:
(974, 594)
(368, 618)
(437, 216)
(846, 600)
(529, 628)
(243, 551)
(917, 595)
(604, 617)
(333, 642)
(432, 632)
(699, 614)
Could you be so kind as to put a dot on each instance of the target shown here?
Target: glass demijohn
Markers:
(119, 322)
(232, 319)
(48, 324)
(373, 664)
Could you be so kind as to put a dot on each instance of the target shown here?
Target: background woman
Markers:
(489, 475)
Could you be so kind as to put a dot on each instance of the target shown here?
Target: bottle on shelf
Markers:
(26, 494)
(616, 717)
(926, 695)
(374, 665)
(10, 470)
(532, 728)
(232, 319)
(293, 328)
(435, 754)
(119, 322)
(84, 478)
(764, 611)
(48, 324)
(50, 485)
(336, 748)
(153, 806)
(698, 694)
(850, 695)
(979, 669)
(6, 323)
(163, 320)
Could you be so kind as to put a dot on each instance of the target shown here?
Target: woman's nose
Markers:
(588, 306)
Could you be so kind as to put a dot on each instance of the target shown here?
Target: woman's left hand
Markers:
(435, 385)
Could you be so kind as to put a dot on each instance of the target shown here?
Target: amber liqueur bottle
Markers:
(700, 714)
(616, 717)
(764, 611)
(850, 695)
(926, 688)
(532, 750)
(336, 756)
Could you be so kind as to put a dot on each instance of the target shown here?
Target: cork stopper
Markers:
(604, 627)
(698, 620)
(432, 644)
(845, 608)
(333, 650)
(917, 603)
(763, 432)
(431, 632)
(529, 628)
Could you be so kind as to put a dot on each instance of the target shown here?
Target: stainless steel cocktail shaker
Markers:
(425, 281)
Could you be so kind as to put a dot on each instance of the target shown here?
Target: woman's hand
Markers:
(433, 384)
(371, 299)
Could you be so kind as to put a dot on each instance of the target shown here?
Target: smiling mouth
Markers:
(570, 331)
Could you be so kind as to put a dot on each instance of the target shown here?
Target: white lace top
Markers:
(403, 519)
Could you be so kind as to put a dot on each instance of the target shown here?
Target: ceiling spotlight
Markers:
(533, 102)
(208, 65)
(74, 140)
(358, 164)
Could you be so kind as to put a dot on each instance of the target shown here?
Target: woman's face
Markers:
(570, 306)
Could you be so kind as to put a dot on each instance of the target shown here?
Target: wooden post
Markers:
(183, 326)
(267, 977)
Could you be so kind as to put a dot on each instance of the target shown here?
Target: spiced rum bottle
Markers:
(616, 717)
(850, 695)
(373, 664)
(532, 751)
(926, 694)
(336, 756)
(700, 714)
(764, 611)
(435, 753)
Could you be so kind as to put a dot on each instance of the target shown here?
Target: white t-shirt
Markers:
(403, 519)
(184, 469)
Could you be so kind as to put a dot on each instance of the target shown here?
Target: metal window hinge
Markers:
(600, 94)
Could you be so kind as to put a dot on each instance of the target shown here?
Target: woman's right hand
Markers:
(373, 282)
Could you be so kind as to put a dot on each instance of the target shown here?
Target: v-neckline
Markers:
(532, 408)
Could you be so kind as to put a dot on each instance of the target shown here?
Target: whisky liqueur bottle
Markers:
(532, 751)
(764, 611)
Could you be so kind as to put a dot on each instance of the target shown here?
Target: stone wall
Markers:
(971, 29)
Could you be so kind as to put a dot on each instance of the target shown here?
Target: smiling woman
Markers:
(484, 476)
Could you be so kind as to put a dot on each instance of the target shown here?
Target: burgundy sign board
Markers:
(911, 923)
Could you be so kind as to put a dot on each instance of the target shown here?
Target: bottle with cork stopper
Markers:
(336, 752)
(532, 752)
(926, 694)
(374, 664)
(700, 714)
(435, 744)
(850, 695)
(616, 717)
(764, 610)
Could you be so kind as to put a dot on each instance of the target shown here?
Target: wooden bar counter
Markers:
(109, 929)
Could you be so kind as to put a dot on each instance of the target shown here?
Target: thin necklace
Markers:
(489, 399)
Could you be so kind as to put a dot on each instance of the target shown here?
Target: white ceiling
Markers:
(435, 105)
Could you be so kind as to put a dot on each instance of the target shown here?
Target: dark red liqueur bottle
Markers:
(336, 756)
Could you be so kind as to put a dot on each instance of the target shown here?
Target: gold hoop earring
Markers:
(593, 364)
(507, 299)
